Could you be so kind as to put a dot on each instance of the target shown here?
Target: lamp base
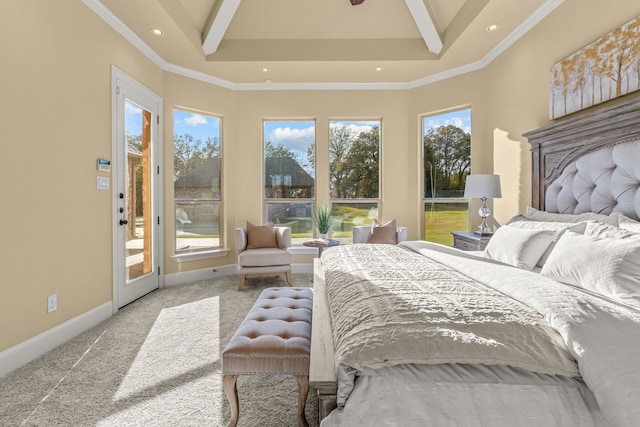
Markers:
(483, 228)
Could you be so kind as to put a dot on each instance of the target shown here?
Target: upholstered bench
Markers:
(273, 339)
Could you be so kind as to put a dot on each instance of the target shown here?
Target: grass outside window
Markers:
(440, 219)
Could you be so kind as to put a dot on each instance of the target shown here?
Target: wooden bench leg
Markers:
(289, 279)
(303, 391)
(230, 389)
(242, 277)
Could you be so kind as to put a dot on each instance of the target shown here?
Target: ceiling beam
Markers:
(222, 16)
(426, 25)
(180, 16)
(322, 50)
(465, 16)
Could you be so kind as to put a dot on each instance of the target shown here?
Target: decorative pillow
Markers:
(605, 265)
(597, 229)
(556, 227)
(261, 236)
(518, 247)
(517, 218)
(384, 233)
(538, 215)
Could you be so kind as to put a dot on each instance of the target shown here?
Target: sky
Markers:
(294, 135)
(460, 118)
(200, 126)
(299, 135)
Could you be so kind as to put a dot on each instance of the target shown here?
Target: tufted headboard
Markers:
(589, 162)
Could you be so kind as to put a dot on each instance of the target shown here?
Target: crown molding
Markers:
(321, 86)
(110, 18)
(533, 19)
(197, 75)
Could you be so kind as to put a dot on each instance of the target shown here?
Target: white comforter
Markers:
(604, 337)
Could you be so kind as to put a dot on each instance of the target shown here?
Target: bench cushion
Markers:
(275, 336)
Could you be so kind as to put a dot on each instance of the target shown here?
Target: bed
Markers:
(541, 328)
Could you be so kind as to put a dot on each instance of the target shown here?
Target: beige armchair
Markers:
(362, 234)
(264, 261)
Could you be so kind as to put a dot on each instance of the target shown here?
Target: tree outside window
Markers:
(197, 172)
(289, 175)
(446, 144)
(354, 174)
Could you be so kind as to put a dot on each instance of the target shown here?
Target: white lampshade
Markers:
(482, 186)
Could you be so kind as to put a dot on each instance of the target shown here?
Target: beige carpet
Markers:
(155, 363)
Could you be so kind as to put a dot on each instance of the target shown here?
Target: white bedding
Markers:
(466, 396)
(602, 335)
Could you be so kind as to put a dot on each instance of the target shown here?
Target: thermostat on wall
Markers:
(104, 165)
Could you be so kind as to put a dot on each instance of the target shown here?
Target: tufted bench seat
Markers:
(273, 339)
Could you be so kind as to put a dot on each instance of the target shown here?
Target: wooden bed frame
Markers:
(322, 369)
(554, 147)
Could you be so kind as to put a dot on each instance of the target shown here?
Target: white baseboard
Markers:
(202, 274)
(34, 347)
(224, 270)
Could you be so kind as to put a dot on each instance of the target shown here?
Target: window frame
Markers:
(185, 255)
(440, 200)
(355, 201)
(293, 200)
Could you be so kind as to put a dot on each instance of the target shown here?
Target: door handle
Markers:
(123, 222)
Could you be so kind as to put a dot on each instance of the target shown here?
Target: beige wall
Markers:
(518, 87)
(510, 96)
(55, 120)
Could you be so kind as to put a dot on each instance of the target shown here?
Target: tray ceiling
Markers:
(378, 42)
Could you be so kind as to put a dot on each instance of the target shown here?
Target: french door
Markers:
(136, 189)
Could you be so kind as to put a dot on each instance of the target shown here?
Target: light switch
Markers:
(103, 183)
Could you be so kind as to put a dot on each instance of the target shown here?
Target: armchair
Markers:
(264, 261)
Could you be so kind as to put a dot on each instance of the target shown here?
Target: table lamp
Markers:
(483, 187)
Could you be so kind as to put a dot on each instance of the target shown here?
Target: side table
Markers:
(321, 244)
(468, 241)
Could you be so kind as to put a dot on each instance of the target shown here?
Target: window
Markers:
(354, 175)
(446, 152)
(289, 176)
(197, 176)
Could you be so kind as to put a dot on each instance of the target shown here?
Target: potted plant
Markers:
(322, 220)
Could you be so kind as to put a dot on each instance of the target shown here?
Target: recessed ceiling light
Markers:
(157, 32)
(265, 69)
(378, 68)
(493, 27)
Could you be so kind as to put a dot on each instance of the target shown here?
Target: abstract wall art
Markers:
(604, 70)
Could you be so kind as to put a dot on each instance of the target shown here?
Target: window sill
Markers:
(196, 256)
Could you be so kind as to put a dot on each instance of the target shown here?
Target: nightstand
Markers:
(469, 241)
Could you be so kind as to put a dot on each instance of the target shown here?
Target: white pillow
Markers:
(619, 217)
(538, 215)
(605, 265)
(556, 227)
(628, 224)
(599, 229)
(517, 247)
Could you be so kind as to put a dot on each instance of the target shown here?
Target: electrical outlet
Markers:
(52, 303)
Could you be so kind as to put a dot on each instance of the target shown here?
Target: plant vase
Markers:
(322, 220)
